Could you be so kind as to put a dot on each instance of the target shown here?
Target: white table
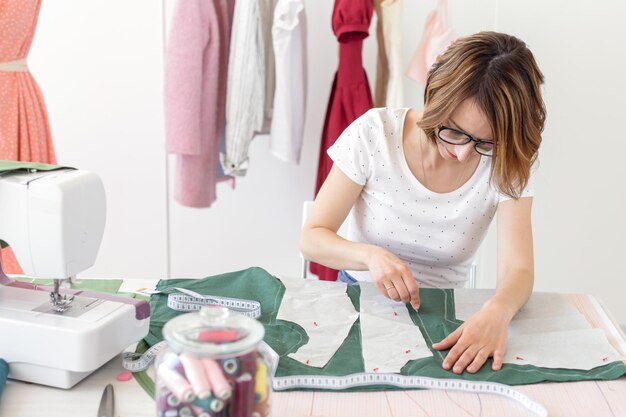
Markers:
(589, 398)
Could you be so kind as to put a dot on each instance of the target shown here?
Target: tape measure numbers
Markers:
(182, 299)
(402, 381)
(136, 362)
(405, 381)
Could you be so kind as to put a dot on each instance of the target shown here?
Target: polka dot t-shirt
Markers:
(436, 234)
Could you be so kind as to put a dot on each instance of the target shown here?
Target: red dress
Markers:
(350, 96)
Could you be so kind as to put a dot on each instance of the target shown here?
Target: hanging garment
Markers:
(267, 9)
(289, 40)
(250, 81)
(24, 129)
(435, 40)
(196, 63)
(382, 66)
(350, 95)
(392, 35)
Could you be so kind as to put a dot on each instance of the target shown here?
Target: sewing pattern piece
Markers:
(547, 332)
(436, 319)
(324, 310)
(389, 338)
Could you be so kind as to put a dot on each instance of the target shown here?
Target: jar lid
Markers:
(213, 331)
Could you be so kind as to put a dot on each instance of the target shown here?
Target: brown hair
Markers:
(500, 74)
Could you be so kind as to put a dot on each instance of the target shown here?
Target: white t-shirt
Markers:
(436, 234)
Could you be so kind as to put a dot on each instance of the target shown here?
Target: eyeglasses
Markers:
(456, 137)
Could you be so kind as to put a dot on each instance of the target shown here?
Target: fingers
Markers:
(388, 289)
(464, 359)
(498, 357)
(413, 289)
(393, 293)
(470, 357)
(479, 360)
(399, 285)
(449, 341)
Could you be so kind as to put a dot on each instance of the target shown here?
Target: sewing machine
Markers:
(52, 335)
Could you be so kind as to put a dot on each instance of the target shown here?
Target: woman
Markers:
(420, 190)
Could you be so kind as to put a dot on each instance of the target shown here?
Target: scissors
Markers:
(107, 403)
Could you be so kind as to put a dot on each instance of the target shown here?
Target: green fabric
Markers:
(142, 377)
(19, 165)
(110, 286)
(436, 319)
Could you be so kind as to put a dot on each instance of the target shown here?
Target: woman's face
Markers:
(469, 119)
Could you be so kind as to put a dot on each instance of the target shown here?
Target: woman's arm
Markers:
(484, 334)
(319, 241)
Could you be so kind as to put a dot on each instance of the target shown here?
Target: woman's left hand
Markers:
(482, 336)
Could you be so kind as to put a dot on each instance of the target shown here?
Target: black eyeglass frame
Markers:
(470, 138)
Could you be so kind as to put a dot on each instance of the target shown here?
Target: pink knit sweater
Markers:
(196, 67)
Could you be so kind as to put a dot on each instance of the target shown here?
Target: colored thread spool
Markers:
(168, 401)
(243, 398)
(230, 366)
(219, 384)
(186, 412)
(202, 413)
(176, 383)
(212, 404)
(261, 409)
(196, 375)
(217, 336)
(260, 381)
(247, 363)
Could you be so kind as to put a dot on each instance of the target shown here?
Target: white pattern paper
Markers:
(389, 338)
(324, 310)
(548, 332)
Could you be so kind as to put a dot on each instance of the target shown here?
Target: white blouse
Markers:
(436, 234)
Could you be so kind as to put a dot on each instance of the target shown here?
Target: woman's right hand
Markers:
(392, 277)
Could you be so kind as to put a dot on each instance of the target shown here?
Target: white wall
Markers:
(100, 67)
(579, 221)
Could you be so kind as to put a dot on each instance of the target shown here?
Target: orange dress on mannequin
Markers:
(24, 129)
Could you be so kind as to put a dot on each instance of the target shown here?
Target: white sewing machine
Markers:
(54, 222)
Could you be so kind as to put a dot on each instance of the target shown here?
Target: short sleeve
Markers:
(353, 150)
(351, 19)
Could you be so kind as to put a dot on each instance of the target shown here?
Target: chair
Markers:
(306, 209)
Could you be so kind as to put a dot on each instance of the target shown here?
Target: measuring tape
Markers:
(182, 299)
(281, 383)
(137, 362)
(405, 381)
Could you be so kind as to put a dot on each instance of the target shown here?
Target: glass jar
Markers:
(212, 366)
